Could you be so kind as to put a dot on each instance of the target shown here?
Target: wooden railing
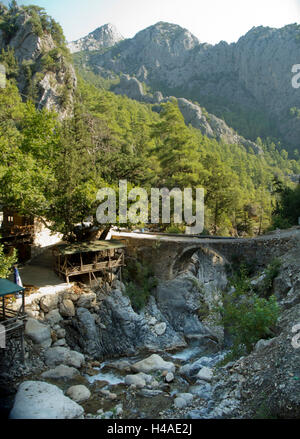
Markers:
(17, 230)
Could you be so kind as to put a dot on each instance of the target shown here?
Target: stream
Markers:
(149, 402)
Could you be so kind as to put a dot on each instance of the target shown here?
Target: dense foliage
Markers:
(247, 314)
(6, 262)
(139, 281)
(287, 211)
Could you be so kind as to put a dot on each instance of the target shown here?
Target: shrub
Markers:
(7, 57)
(6, 262)
(248, 317)
(280, 223)
(173, 228)
(271, 272)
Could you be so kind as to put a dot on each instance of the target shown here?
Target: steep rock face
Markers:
(153, 51)
(102, 37)
(253, 74)
(43, 67)
(121, 331)
(177, 311)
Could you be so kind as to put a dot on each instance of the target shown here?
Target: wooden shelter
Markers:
(89, 258)
(11, 321)
(17, 231)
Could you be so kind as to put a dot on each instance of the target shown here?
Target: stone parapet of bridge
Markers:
(169, 255)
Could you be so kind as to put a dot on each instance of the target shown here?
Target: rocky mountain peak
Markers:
(102, 37)
(248, 83)
(169, 34)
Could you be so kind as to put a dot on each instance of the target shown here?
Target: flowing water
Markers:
(135, 404)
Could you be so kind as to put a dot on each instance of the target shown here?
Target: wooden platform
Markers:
(88, 258)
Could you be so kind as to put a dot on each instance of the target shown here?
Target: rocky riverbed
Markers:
(90, 355)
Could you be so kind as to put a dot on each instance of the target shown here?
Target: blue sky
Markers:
(210, 20)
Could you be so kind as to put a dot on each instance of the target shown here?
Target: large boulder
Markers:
(61, 372)
(67, 308)
(49, 302)
(205, 374)
(160, 328)
(88, 332)
(135, 380)
(179, 299)
(128, 331)
(40, 334)
(78, 393)
(53, 317)
(39, 400)
(183, 399)
(61, 355)
(153, 363)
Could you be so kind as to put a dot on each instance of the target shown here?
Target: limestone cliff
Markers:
(102, 37)
(42, 64)
(209, 125)
(243, 81)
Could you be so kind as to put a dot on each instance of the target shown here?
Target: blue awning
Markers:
(7, 287)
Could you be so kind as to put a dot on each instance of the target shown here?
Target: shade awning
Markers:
(7, 287)
(88, 247)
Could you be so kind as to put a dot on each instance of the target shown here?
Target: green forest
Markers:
(53, 168)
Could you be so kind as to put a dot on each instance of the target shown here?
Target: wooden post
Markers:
(22, 345)
(23, 301)
(3, 305)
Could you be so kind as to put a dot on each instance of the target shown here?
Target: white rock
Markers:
(67, 308)
(261, 344)
(147, 378)
(40, 334)
(180, 403)
(206, 374)
(135, 380)
(62, 355)
(61, 372)
(152, 321)
(32, 314)
(169, 377)
(78, 393)
(153, 363)
(160, 328)
(188, 397)
(119, 409)
(49, 302)
(39, 400)
(75, 359)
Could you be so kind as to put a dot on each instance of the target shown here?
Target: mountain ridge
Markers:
(252, 76)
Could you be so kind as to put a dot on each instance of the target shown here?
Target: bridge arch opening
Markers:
(204, 263)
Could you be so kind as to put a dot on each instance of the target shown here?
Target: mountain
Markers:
(247, 83)
(102, 37)
(209, 125)
(34, 54)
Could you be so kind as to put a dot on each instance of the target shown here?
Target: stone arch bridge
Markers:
(171, 254)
